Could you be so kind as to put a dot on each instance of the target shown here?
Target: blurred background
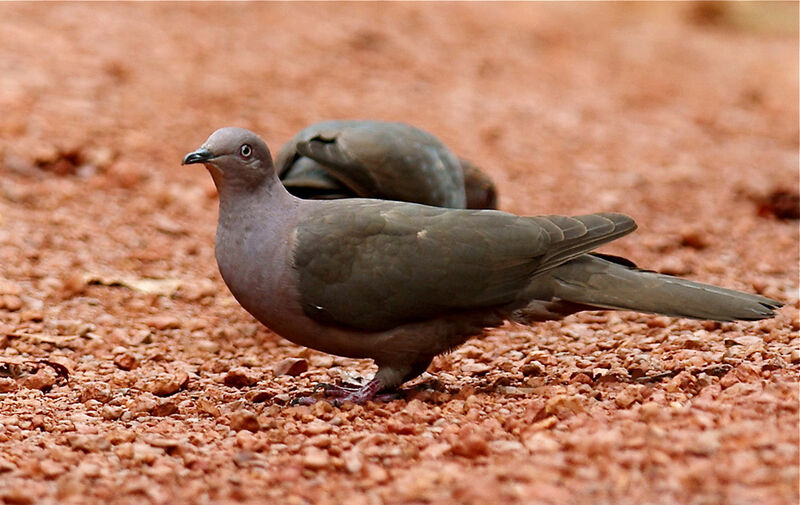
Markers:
(583, 91)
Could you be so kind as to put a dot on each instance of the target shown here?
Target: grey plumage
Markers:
(374, 265)
(400, 282)
(379, 159)
(598, 283)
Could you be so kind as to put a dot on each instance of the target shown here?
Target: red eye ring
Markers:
(245, 151)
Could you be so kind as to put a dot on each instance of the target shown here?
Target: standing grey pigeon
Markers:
(378, 159)
(400, 283)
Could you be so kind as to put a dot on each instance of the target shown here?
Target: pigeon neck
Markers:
(237, 196)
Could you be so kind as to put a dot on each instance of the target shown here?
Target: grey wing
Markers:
(390, 161)
(305, 177)
(375, 265)
(288, 155)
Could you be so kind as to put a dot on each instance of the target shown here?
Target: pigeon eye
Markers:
(245, 151)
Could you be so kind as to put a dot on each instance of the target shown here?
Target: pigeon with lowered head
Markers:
(380, 159)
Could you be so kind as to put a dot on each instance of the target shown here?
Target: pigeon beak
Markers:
(200, 156)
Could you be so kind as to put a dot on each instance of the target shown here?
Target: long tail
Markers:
(598, 282)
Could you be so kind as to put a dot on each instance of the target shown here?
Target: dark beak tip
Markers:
(199, 156)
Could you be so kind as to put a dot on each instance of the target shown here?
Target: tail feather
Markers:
(596, 282)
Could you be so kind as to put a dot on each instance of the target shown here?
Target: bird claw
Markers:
(338, 395)
(302, 400)
(337, 390)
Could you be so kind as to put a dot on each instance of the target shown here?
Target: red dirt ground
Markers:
(128, 374)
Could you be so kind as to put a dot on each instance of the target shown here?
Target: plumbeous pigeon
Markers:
(379, 159)
(400, 282)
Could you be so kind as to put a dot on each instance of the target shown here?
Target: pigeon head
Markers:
(234, 156)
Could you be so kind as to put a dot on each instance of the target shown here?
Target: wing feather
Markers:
(373, 265)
